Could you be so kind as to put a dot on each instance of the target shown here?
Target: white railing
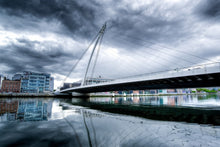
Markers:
(178, 72)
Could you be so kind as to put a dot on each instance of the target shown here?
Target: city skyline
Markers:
(50, 36)
(27, 82)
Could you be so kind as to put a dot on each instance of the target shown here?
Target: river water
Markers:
(64, 122)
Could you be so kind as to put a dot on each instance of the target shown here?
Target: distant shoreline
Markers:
(94, 95)
(136, 95)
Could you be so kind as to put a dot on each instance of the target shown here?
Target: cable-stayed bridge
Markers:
(204, 75)
(207, 75)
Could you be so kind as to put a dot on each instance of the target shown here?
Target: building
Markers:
(1, 79)
(51, 83)
(91, 81)
(136, 92)
(153, 91)
(11, 86)
(171, 91)
(69, 85)
(162, 91)
(17, 77)
(0, 82)
(182, 91)
(32, 82)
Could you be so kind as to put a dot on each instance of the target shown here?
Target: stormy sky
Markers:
(142, 36)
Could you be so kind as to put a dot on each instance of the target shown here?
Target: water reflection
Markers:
(25, 109)
(73, 125)
(178, 100)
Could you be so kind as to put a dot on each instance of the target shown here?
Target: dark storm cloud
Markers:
(74, 15)
(23, 56)
(82, 18)
(210, 9)
(50, 52)
(132, 29)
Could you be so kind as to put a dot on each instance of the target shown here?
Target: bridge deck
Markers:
(207, 75)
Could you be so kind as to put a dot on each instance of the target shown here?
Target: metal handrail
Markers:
(198, 69)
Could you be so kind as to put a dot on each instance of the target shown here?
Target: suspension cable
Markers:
(82, 55)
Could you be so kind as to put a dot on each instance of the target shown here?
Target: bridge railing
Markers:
(178, 72)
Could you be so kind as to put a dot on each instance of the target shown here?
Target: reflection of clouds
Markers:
(203, 103)
(106, 129)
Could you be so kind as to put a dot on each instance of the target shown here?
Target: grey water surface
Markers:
(58, 122)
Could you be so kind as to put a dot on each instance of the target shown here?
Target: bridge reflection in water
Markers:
(69, 124)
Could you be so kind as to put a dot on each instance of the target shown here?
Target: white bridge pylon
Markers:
(98, 42)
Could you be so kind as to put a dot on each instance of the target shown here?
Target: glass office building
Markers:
(35, 82)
